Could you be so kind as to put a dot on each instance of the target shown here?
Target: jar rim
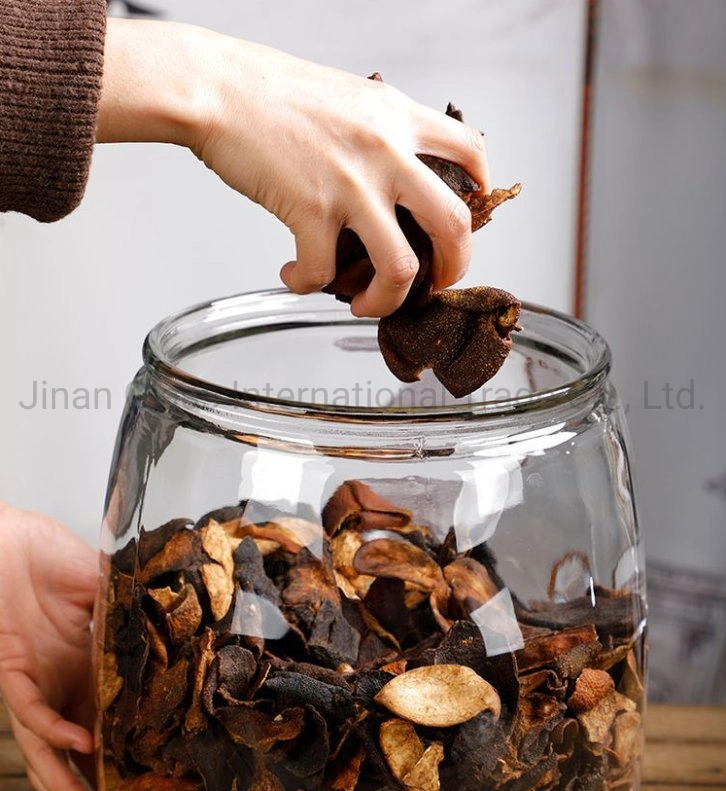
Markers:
(164, 351)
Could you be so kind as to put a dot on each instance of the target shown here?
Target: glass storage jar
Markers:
(317, 577)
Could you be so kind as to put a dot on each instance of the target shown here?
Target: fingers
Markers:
(395, 263)
(48, 769)
(441, 214)
(34, 715)
(444, 217)
(315, 264)
(370, 212)
(445, 137)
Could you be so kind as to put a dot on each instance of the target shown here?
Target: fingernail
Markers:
(80, 746)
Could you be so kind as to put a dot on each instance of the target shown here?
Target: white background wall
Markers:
(157, 231)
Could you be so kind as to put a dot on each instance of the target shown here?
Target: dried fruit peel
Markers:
(463, 335)
(439, 696)
(187, 700)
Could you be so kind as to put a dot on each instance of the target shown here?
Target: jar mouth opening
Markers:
(172, 347)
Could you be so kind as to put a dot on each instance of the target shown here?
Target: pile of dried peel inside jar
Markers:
(283, 653)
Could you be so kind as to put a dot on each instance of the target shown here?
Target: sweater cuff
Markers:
(51, 63)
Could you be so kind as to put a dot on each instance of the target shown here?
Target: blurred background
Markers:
(157, 232)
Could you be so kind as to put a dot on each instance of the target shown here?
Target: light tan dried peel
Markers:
(439, 696)
(401, 746)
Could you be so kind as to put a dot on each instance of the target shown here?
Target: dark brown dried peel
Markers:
(612, 614)
(355, 505)
(344, 772)
(464, 334)
(254, 728)
(477, 753)
(544, 650)
(154, 782)
(236, 668)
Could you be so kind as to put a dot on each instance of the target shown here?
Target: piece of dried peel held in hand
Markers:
(464, 335)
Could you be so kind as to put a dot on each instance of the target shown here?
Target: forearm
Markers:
(152, 90)
(165, 82)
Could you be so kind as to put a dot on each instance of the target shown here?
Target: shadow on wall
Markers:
(656, 281)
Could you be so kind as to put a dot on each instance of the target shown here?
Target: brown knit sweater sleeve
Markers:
(51, 60)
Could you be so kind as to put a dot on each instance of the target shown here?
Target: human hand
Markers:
(47, 589)
(319, 148)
